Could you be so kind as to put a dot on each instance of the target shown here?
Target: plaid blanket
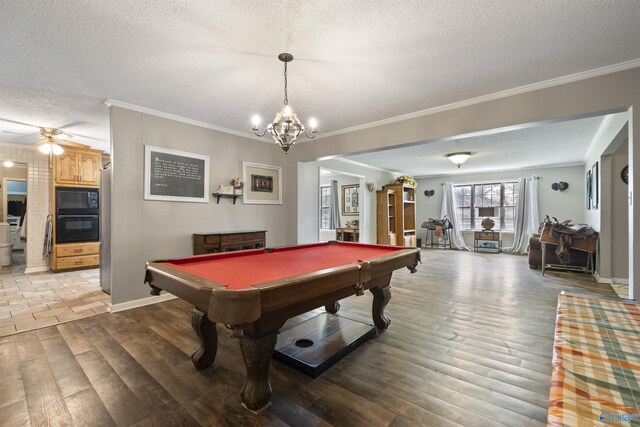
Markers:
(596, 363)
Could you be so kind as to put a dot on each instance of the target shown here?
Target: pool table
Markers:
(254, 292)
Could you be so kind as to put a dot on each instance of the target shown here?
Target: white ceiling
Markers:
(541, 145)
(356, 62)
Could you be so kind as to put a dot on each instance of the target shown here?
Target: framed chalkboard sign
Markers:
(175, 176)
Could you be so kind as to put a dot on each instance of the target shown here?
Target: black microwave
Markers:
(77, 201)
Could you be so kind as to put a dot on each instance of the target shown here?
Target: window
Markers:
(503, 196)
(325, 207)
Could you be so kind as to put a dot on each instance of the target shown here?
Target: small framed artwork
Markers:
(350, 200)
(263, 184)
(175, 176)
(594, 186)
(588, 189)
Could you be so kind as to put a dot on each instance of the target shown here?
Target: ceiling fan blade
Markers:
(15, 133)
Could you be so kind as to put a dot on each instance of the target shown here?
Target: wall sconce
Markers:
(371, 186)
(429, 193)
(559, 186)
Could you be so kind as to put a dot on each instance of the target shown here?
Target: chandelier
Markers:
(286, 126)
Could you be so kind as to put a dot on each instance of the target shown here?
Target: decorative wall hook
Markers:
(559, 186)
(429, 193)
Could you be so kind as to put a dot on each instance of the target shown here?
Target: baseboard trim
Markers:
(115, 308)
(601, 279)
(620, 281)
(35, 270)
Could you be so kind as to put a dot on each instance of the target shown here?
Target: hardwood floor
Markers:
(470, 344)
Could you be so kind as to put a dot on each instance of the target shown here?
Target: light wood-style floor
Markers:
(470, 344)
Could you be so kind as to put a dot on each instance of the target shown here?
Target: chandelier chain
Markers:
(286, 98)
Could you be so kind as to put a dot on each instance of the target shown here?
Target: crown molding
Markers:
(115, 103)
(353, 162)
(583, 75)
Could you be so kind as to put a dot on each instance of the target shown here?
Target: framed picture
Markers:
(262, 184)
(350, 200)
(588, 189)
(175, 176)
(594, 186)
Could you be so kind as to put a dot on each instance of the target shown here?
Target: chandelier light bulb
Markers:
(313, 123)
(287, 111)
(255, 120)
(57, 150)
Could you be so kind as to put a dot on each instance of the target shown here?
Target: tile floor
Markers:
(32, 301)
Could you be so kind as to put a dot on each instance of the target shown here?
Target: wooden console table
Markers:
(211, 243)
(487, 241)
(348, 234)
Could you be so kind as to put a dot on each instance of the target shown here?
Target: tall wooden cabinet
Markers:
(75, 167)
(396, 217)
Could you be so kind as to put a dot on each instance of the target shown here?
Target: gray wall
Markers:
(568, 204)
(611, 92)
(620, 216)
(149, 230)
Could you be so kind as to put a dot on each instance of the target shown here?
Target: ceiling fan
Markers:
(48, 145)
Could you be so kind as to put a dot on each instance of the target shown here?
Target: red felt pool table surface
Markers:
(240, 270)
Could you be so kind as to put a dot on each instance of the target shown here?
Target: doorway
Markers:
(14, 206)
(342, 206)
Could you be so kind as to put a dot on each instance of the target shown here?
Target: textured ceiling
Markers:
(538, 146)
(356, 61)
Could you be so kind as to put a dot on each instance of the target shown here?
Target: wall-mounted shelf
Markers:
(229, 196)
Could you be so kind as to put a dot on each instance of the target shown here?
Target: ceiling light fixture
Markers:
(286, 127)
(459, 158)
(49, 145)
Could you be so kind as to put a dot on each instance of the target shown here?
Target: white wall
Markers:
(308, 210)
(150, 230)
(568, 204)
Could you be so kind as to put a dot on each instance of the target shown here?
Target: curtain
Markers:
(527, 216)
(334, 213)
(449, 210)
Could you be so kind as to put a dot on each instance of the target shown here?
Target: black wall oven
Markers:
(77, 215)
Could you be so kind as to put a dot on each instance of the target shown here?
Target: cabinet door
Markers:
(89, 168)
(65, 168)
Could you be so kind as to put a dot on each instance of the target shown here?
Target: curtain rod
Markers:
(490, 181)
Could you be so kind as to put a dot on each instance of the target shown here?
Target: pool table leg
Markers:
(332, 308)
(257, 352)
(208, 335)
(381, 297)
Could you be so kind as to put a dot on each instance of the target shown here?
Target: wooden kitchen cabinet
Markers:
(77, 167)
(68, 256)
